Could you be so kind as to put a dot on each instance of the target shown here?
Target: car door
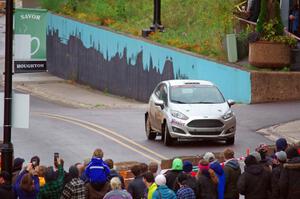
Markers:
(153, 108)
(161, 94)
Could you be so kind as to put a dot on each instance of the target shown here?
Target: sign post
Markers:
(30, 40)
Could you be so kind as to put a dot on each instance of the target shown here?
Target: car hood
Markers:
(201, 110)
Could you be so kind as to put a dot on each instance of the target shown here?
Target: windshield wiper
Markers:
(179, 102)
(203, 103)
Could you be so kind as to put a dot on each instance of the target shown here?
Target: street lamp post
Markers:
(7, 147)
(156, 20)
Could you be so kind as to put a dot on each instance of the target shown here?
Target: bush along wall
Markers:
(128, 66)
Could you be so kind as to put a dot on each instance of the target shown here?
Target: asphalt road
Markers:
(75, 133)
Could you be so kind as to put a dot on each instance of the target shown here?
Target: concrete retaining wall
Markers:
(275, 86)
(130, 66)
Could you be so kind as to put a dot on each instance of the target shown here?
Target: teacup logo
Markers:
(22, 47)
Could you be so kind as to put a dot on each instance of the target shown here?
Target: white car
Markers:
(189, 110)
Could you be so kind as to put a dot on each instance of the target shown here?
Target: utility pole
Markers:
(7, 148)
(156, 17)
(156, 20)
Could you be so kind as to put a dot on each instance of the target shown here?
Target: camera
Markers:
(56, 156)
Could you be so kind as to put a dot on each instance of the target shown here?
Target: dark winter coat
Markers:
(192, 183)
(255, 182)
(137, 188)
(289, 181)
(6, 191)
(171, 177)
(94, 194)
(232, 173)
(207, 189)
(275, 181)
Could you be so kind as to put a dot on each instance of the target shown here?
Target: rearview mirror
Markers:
(159, 103)
(230, 102)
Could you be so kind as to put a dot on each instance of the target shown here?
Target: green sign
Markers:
(30, 40)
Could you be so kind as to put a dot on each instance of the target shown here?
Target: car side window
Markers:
(158, 91)
(164, 94)
(161, 93)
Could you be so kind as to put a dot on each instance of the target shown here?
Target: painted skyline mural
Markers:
(128, 66)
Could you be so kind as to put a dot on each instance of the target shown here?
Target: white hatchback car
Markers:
(189, 110)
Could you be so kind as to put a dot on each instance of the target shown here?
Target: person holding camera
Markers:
(54, 183)
(27, 184)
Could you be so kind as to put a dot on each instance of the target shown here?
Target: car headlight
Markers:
(227, 115)
(179, 115)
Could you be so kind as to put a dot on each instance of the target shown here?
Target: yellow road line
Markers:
(107, 130)
(105, 135)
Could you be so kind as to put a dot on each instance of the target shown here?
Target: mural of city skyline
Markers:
(127, 66)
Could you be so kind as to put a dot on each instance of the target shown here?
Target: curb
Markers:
(272, 134)
(52, 98)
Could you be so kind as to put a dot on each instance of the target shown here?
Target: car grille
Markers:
(205, 133)
(205, 123)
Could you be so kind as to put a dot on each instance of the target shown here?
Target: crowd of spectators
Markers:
(265, 175)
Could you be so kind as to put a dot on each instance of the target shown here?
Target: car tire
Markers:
(168, 140)
(149, 132)
(230, 141)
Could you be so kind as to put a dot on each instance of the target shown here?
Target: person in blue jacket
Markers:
(97, 172)
(27, 184)
(162, 191)
(214, 164)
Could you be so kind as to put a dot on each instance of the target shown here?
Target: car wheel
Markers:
(168, 140)
(230, 141)
(149, 132)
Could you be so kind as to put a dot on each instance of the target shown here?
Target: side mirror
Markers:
(159, 103)
(230, 102)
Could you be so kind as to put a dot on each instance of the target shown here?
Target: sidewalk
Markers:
(55, 89)
(290, 131)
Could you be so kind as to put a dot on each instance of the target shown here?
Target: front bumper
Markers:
(223, 129)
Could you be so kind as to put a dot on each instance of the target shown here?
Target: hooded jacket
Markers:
(26, 195)
(216, 167)
(172, 174)
(289, 182)
(232, 172)
(276, 172)
(97, 171)
(206, 187)
(255, 182)
(163, 192)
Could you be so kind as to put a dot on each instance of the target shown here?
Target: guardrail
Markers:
(254, 24)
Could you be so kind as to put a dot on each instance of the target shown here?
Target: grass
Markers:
(198, 26)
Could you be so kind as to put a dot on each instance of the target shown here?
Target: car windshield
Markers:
(195, 94)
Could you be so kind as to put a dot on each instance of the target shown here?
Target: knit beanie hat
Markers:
(281, 144)
(160, 180)
(187, 166)
(256, 155)
(250, 160)
(177, 164)
(209, 157)
(281, 156)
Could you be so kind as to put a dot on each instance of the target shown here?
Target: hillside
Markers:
(193, 25)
